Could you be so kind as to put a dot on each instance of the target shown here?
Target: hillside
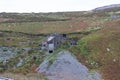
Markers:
(38, 17)
(109, 10)
(96, 32)
(113, 6)
(101, 50)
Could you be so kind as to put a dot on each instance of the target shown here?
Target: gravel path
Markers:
(66, 67)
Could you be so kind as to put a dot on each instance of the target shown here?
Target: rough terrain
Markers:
(66, 67)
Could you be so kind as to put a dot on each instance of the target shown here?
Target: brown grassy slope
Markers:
(5, 19)
(74, 25)
(108, 52)
(111, 58)
(101, 50)
(31, 76)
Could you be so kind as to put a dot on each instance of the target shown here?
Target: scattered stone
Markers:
(20, 62)
(27, 49)
(8, 52)
(3, 78)
(114, 60)
(108, 49)
(66, 67)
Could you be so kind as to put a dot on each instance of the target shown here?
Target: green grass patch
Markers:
(90, 37)
(50, 59)
(84, 50)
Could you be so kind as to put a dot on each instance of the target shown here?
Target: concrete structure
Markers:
(52, 41)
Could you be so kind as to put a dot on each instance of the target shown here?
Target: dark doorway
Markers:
(50, 51)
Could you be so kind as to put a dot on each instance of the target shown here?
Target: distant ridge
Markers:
(107, 7)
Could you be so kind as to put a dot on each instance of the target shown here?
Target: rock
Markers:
(27, 49)
(7, 52)
(20, 62)
(3, 78)
(108, 49)
(114, 60)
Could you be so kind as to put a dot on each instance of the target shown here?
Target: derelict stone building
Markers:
(52, 41)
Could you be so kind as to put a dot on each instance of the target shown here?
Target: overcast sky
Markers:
(52, 5)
